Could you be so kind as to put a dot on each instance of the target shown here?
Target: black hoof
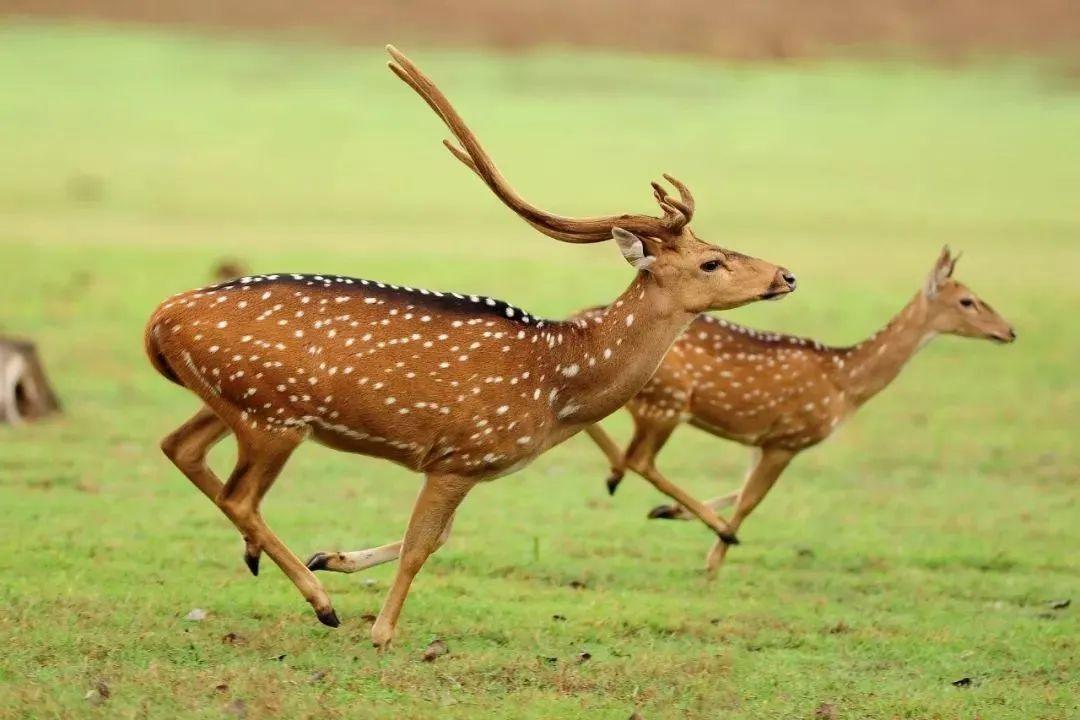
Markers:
(317, 562)
(663, 512)
(252, 561)
(728, 538)
(613, 482)
(329, 618)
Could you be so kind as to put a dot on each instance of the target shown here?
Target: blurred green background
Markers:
(919, 546)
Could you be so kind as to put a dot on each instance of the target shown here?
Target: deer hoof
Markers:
(613, 482)
(664, 512)
(317, 562)
(328, 618)
(728, 538)
(252, 561)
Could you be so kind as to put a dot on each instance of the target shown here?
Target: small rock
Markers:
(436, 649)
(839, 627)
(279, 658)
(221, 687)
(233, 639)
(577, 584)
(559, 618)
(237, 708)
(317, 676)
(369, 618)
(369, 582)
(1060, 604)
(804, 552)
(962, 682)
(548, 659)
(196, 615)
(97, 694)
(584, 656)
(826, 711)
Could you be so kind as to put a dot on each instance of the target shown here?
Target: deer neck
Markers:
(604, 357)
(870, 366)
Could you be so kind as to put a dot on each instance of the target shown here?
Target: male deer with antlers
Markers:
(462, 388)
(781, 394)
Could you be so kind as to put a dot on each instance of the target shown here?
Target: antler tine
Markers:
(684, 193)
(581, 230)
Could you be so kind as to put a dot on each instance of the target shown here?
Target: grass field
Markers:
(920, 546)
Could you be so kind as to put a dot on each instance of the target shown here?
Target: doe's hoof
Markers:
(728, 538)
(317, 561)
(252, 561)
(328, 618)
(613, 482)
(664, 512)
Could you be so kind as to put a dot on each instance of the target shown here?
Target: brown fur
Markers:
(780, 394)
(459, 387)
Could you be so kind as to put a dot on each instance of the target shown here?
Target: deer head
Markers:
(954, 309)
(696, 275)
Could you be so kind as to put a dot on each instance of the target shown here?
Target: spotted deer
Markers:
(461, 388)
(780, 394)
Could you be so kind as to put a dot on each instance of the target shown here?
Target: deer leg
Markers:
(260, 461)
(187, 447)
(641, 458)
(357, 560)
(434, 509)
(762, 476)
(614, 456)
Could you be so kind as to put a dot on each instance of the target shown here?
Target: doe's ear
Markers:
(943, 270)
(632, 248)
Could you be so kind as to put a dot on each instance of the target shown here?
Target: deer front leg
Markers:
(434, 509)
(762, 476)
(357, 560)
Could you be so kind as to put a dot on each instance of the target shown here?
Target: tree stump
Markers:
(25, 392)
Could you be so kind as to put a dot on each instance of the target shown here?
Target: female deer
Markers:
(781, 394)
(459, 387)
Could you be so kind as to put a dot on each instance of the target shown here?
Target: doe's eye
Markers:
(711, 265)
(967, 302)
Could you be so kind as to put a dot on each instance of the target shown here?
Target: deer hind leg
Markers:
(771, 461)
(357, 560)
(187, 447)
(433, 512)
(614, 456)
(261, 458)
(641, 458)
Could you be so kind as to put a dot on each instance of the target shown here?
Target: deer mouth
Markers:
(1004, 338)
(775, 294)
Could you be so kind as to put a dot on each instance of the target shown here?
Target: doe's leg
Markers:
(614, 456)
(762, 476)
(641, 458)
(435, 506)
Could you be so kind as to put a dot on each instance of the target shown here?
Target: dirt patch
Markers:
(748, 29)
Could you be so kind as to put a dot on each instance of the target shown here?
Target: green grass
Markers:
(919, 546)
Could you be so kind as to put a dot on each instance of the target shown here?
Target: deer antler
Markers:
(677, 213)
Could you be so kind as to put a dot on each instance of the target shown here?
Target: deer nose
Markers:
(1012, 335)
(789, 278)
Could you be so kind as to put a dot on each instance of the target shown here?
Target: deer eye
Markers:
(711, 265)
(967, 302)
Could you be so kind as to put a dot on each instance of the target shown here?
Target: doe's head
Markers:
(955, 310)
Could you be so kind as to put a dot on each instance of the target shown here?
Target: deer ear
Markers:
(632, 248)
(943, 269)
